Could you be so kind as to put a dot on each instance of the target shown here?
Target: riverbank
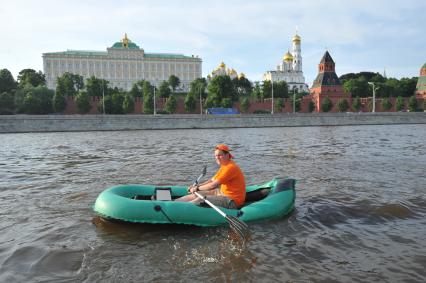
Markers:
(78, 123)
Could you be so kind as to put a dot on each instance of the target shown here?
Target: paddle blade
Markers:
(239, 227)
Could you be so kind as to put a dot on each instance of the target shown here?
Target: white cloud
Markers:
(250, 36)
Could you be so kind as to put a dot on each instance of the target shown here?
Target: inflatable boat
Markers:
(154, 204)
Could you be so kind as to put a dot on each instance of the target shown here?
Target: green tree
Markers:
(356, 104)
(281, 89)
(148, 102)
(190, 103)
(343, 105)
(412, 103)
(83, 103)
(7, 103)
(326, 104)
(399, 104)
(245, 104)
(386, 104)
(35, 100)
(29, 77)
(357, 87)
(408, 86)
(219, 88)
(198, 87)
(135, 91)
(174, 82)
(128, 104)
(257, 92)
(171, 104)
(117, 103)
(164, 90)
(97, 87)
(242, 86)
(59, 102)
(108, 103)
(227, 102)
(311, 106)
(69, 84)
(7, 82)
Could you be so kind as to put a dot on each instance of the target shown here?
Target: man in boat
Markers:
(227, 188)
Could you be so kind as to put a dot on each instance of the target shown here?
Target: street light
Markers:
(201, 103)
(272, 84)
(294, 100)
(155, 110)
(103, 97)
(374, 96)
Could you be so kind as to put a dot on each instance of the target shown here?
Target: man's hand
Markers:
(192, 189)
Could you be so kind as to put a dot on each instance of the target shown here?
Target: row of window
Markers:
(111, 65)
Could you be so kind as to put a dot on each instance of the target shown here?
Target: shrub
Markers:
(326, 105)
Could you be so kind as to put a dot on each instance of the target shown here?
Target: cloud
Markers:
(250, 36)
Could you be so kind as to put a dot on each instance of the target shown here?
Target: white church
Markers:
(290, 69)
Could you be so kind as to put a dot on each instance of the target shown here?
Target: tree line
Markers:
(30, 95)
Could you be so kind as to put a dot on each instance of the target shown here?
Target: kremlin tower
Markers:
(421, 83)
(327, 84)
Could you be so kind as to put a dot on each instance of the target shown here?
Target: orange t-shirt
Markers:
(232, 183)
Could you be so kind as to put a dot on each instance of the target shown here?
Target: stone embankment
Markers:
(68, 123)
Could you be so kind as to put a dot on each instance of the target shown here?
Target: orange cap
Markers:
(224, 147)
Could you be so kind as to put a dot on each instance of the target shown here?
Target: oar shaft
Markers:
(209, 203)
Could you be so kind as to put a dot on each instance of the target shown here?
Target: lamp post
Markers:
(294, 100)
(272, 85)
(103, 98)
(201, 103)
(155, 109)
(374, 96)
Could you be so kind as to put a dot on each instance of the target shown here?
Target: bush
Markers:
(343, 105)
(356, 105)
(245, 104)
(279, 105)
(261, 111)
(311, 106)
(399, 104)
(7, 103)
(412, 103)
(82, 102)
(386, 104)
(326, 105)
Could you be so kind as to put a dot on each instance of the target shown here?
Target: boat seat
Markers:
(258, 194)
(163, 194)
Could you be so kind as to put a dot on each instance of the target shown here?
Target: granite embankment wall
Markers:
(66, 123)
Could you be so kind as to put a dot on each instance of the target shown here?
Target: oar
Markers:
(236, 224)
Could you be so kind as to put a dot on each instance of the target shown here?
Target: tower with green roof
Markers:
(421, 83)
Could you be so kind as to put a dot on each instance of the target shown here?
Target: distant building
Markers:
(222, 70)
(122, 65)
(290, 69)
(421, 83)
(327, 83)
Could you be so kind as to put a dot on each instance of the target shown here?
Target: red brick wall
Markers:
(254, 104)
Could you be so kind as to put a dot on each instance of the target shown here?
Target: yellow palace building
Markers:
(123, 64)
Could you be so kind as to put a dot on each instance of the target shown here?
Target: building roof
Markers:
(327, 58)
(326, 79)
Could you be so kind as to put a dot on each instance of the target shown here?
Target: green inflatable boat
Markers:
(154, 204)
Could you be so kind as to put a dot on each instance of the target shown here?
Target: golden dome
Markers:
(241, 76)
(232, 72)
(296, 38)
(288, 56)
(222, 65)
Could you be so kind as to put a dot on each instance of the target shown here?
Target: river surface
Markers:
(360, 211)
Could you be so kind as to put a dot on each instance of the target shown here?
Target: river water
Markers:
(360, 209)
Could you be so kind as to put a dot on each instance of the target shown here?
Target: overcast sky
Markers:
(249, 36)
